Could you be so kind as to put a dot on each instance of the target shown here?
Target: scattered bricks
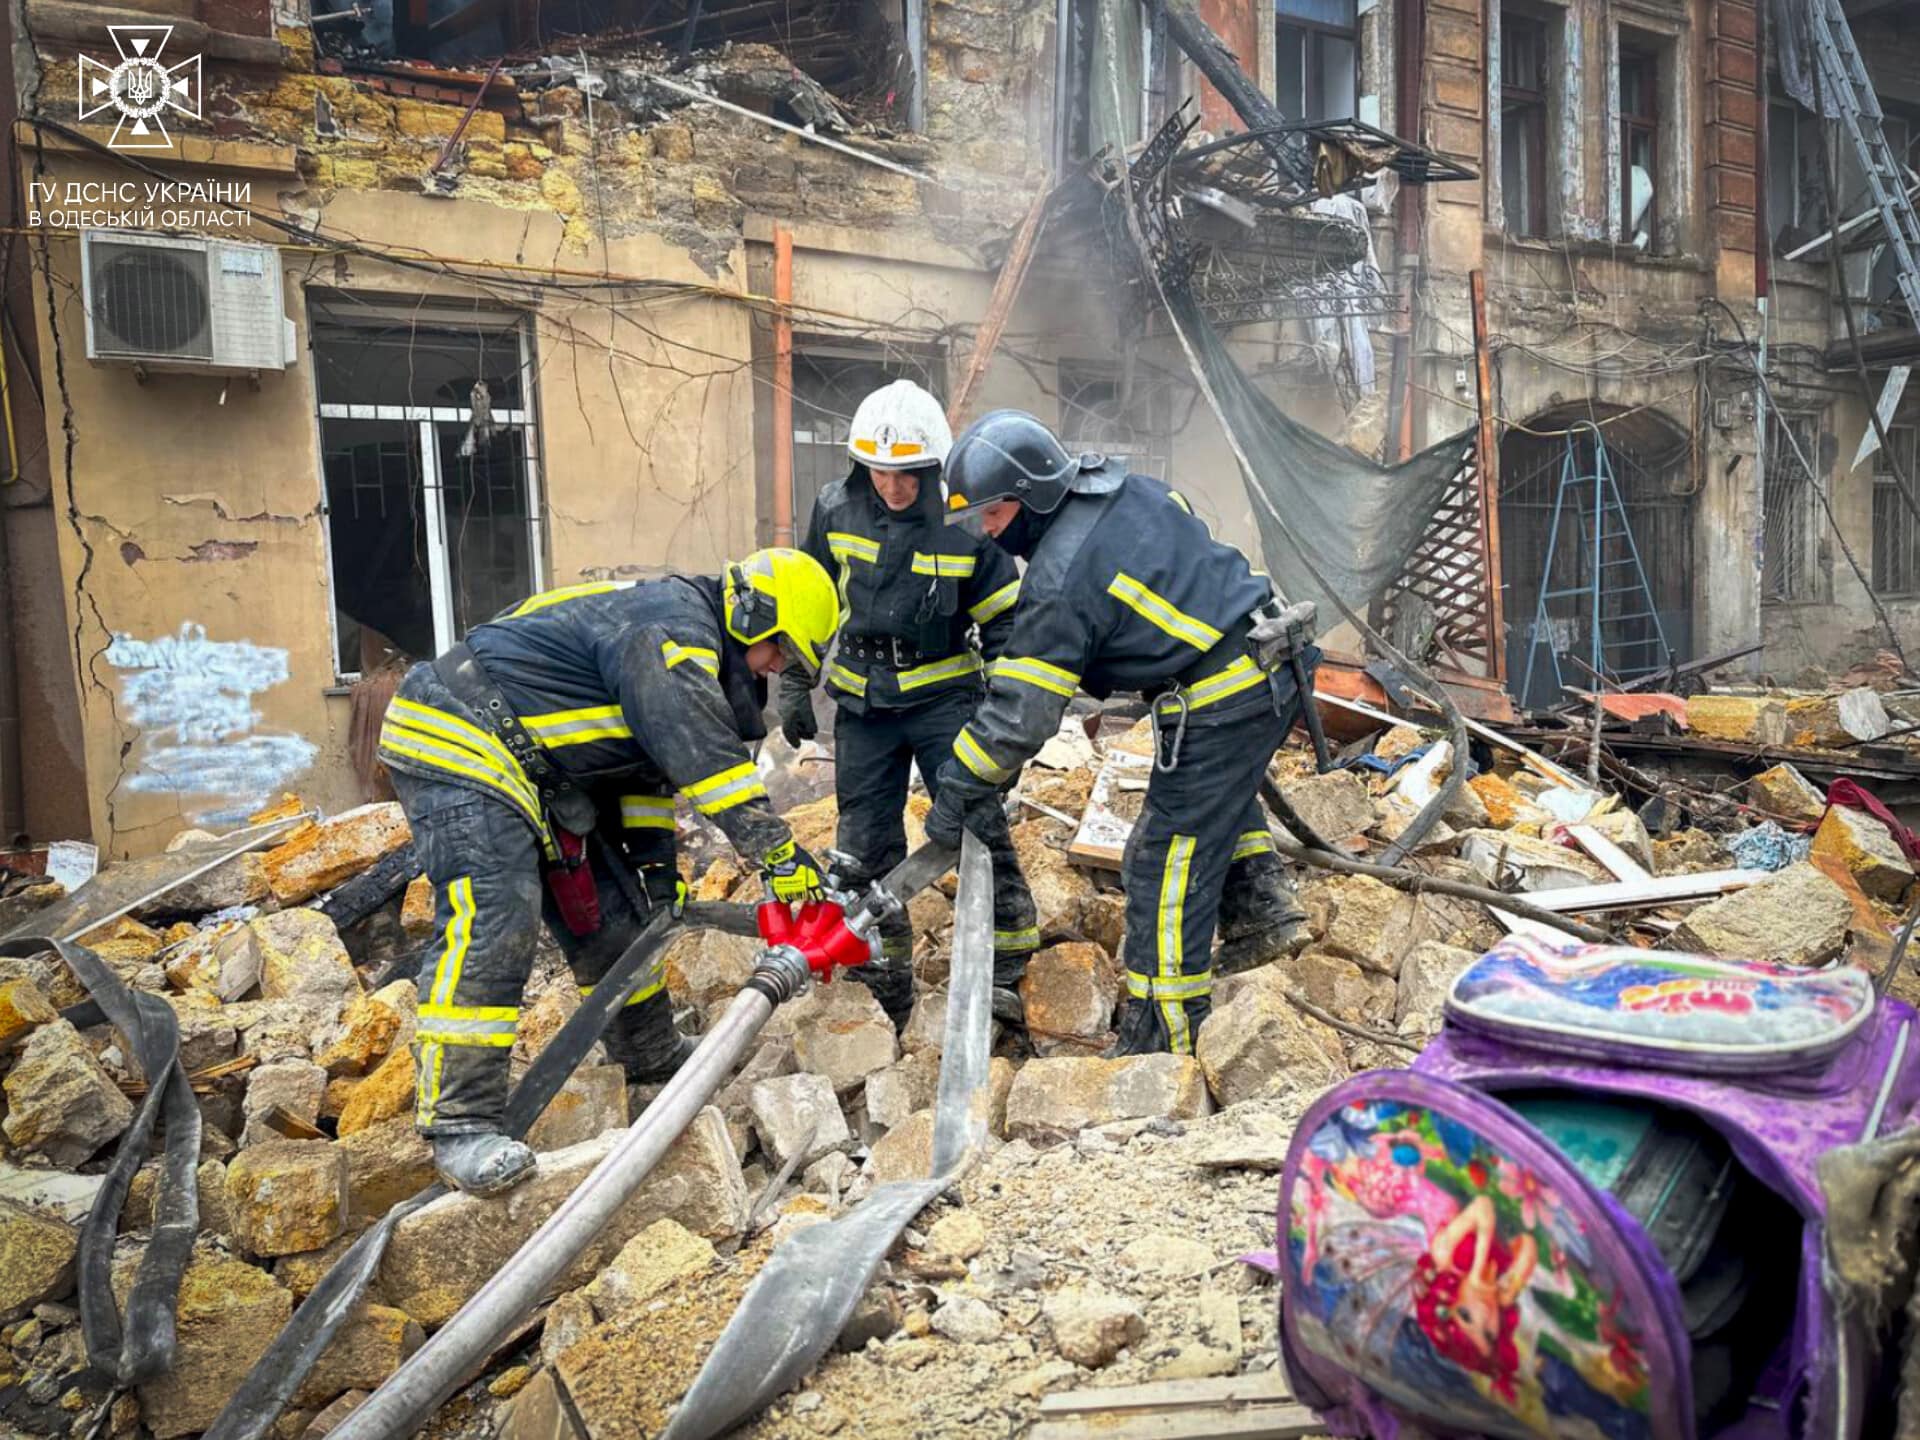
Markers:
(1862, 844)
(318, 856)
(442, 1253)
(223, 962)
(1751, 719)
(1785, 794)
(227, 1315)
(1069, 992)
(1824, 721)
(798, 1114)
(372, 1345)
(1795, 917)
(1091, 1327)
(373, 1025)
(386, 1163)
(301, 958)
(1060, 888)
(1053, 1100)
(22, 1009)
(123, 943)
(592, 1102)
(1259, 1047)
(387, 1092)
(36, 1259)
(840, 1031)
(1341, 988)
(60, 1102)
(904, 1152)
(416, 909)
(287, 1196)
(1335, 805)
(295, 1086)
(1365, 921)
(706, 969)
(1426, 979)
(896, 1092)
(646, 1265)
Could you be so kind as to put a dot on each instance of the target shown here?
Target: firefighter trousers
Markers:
(873, 754)
(1201, 820)
(483, 861)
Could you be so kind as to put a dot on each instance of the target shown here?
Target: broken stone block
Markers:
(417, 908)
(387, 1162)
(1871, 854)
(1104, 921)
(773, 1057)
(957, 1235)
(302, 1273)
(1795, 917)
(830, 1174)
(1396, 814)
(442, 1253)
(228, 1313)
(36, 1259)
(60, 1102)
(207, 1037)
(373, 1025)
(1785, 794)
(372, 1345)
(239, 881)
(216, 1217)
(1824, 721)
(1212, 1346)
(1501, 857)
(1750, 719)
(1399, 740)
(840, 1031)
(904, 1152)
(1690, 852)
(926, 1030)
(593, 1101)
(798, 1114)
(1629, 832)
(706, 969)
(897, 1091)
(967, 1321)
(22, 1008)
(1341, 988)
(647, 1264)
(123, 943)
(287, 1196)
(1090, 1326)
(1259, 1047)
(1060, 888)
(1426, 979)
(295, 1086)
(1367, 922)
(1336, 805)
(1052, 1100)
(545, 1017)
(301, 958)
(15, 908)
(1504, 804)
(222, 962)
(321, 854)
(1069, 992)
(568, 1319)
(387, 1092)
(1000, 1075)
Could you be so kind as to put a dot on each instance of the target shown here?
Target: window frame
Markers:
(340, 310)
(1632, 125)
(1886, 482)
(1811, 590)
(1313, 35)
(1513, 97)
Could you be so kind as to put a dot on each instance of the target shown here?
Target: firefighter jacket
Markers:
(632, 690)
(1124, 591)
(909, 578)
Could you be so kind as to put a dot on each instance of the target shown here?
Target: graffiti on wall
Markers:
(193, 700)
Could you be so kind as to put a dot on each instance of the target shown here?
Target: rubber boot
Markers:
(1143, 1030)
(643, 1042)
(1008, 971)
(1259, 916)
(482, 1162)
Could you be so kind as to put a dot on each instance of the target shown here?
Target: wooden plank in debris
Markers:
(1240, 1407)
(1266, 1387)
(1637, 894)
(1102, 837)
(1619, 863)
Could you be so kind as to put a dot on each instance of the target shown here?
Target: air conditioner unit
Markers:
(169, 302)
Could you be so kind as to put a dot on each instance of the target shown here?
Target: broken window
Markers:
(1796, 192)
(1317, 59)
(429, 461)
(1098, 413)
(1896, 537)
(1639, 146)
(1790, 569)
(830, 379)
(1523, 122)
(1114, 65)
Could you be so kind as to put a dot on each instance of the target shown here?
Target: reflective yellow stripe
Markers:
(997, 603)
(1241, 675)
(567, 592)
(977, 760)
(1027, 939)
(459, 934)
(646, 812)
(850, 681)
(944, 567)
(577, 727)
(482, 1025)
(951, 668)
(726, 790)
(1187, 987)
(678, 654)
(646, 992)
(1157, 611)
(457, 762)
(1170, 942)
(427, 1083)
(455, 731)
(450, 743)
(852, 547)
(1039, 673)
(1253, 842)
(464, 1036)
(1180, 500)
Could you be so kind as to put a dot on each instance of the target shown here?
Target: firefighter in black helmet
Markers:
(1125, 589)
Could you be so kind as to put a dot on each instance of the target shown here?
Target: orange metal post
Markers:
(783, 387)
(1489, 468)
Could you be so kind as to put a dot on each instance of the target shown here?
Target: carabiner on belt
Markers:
(1164, 759)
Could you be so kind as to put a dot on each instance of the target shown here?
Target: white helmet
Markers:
(899, 427)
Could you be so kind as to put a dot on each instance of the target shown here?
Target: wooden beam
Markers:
(1234, 1407)
(1643, 894)
(1006, 289)
(1488, 477)
(783, 386)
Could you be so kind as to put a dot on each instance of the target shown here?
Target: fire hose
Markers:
(438, 1368)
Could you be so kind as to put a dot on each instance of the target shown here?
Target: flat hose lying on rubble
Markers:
(412, 1393)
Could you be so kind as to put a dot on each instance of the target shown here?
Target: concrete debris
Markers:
(896, 1092)
(904, 1152)
(22, 1008)
(592, 1102)
(321, 854)
(647, 1264)
(705, 969)
(1260, 1047)
(1091, 1326)
(1785, 794)
(370, 1030)
(1358, 917)
(1060, 888)
(387, 1162)
(1053, 1100)
(1340, 987)
(1825, 721)
(1336, 805)
(387, 1092)
(840, 1031)
(287, 1196)
(416, 908)
(295, 1087)
(61, 1103)
(957, 1235)
(1426, 979)
(221, 960)
(1795, 917)
(370, 1346)
(36, 1259)
(1748, 719)
(798, 1115)
(49, 1192)
(967, 1321)
(1069, 994)
(926, 1028)
(1867, 849)
(1505, 860)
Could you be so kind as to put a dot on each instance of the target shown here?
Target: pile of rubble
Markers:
(1103, 1230)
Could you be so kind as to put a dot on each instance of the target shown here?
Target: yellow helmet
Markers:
(786, 594)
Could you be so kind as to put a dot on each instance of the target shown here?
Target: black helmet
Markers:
(1009, 455)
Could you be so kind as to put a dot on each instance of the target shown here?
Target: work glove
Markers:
(791, 873)
(795, 703)
(956, 808)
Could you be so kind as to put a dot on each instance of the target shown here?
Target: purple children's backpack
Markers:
(1590, 1209)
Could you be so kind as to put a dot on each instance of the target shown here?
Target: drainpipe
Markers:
(1406, 121)
(783, 387)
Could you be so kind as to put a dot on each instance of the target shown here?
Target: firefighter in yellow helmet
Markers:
(537, 762)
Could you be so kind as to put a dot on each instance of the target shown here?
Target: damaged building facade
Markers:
(517, 292)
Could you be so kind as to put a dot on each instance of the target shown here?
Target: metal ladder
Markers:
(1610, 590)
(1846, 94)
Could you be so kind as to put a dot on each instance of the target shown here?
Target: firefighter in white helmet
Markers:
(924, 606)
